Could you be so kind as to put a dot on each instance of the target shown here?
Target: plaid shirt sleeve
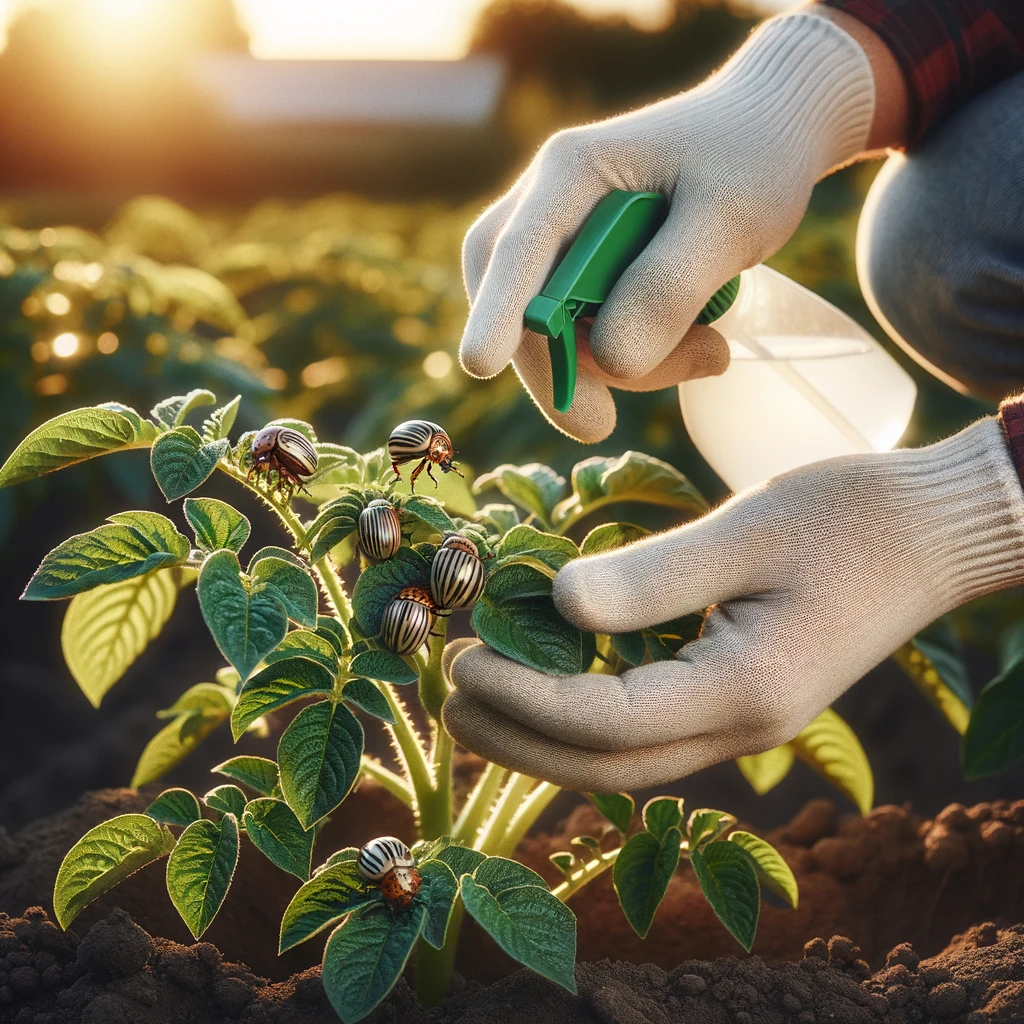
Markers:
(949, 50)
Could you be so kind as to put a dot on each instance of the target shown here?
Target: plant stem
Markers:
(392, 782)
(410, 751)
(478, 803)
(587, 873)
(522, 821)
(493, 832)
(433, 685)
(434, 966)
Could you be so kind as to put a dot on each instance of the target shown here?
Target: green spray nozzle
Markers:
(618, 230)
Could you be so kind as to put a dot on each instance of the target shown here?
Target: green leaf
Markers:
(641, 874)
(832, 749)
(273, 551)
(769, 866)
(349, 854)
(277, 834)
(995, 735)
(378, 584)
(564, 862)
(366, 955)
(336, 464)
(726, 875)
(226, 799)
(333, 523)
(496, 874)
(618, 808)
(74, 437)
(174, 807)
(631, 477)
(440, 887)
(662, 813)
(171, 412)
(276, 686)
(706, 825)
(259, 773)
(204, 698)
(533, 487)
(630, 647)
(303, 643)
(501, 517)
(293, 585)
(427, 510)
(385, 666)
(107, 628)
(318, 757)
(461, 859)
(216, 524)
(934, 661)
(181, 460)
(333, 892)
(104, 856)
(247, 624)
(526, 920)
(333, 632)
(133, 544)
(516, 616)
(525, 543)
(219, 423)
(765, 771)
(200, 869)
(172, 744)
(609, 536)
(364, 694)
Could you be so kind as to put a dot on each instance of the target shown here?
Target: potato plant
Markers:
(292, 634)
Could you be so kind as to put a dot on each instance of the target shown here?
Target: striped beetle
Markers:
(286, 450)
(389, 862)
(456, 573)
(408, 620)
(423, 440)
(380, 530)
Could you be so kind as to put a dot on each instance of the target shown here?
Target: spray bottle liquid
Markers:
(805, 382)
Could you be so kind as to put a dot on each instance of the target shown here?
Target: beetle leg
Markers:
(415, 473)
(394, 466)
(430, 472)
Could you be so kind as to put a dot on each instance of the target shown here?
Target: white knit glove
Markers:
(738, 157)
(816, 576)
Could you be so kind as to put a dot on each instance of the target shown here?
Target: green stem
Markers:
(392, 782)
(522, 821)
(433, 685)
(434, 966)
(410, 751)
(490, 837)
(436, 808)
(478, 803)
(581, 876)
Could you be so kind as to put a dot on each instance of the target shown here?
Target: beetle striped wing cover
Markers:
(407, 621)
(411, 440)
(379, 856)
(299, 449)
(380, 530)
(456, 574)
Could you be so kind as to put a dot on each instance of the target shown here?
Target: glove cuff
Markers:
(803, 79)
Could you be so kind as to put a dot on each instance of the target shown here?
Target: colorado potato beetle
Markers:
(456, 573)
(380, 530)
(389, 862)
(408, 620)
(423, 440)
(285, 450)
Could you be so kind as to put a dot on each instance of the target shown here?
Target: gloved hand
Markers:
(815, 577)
(737, 156)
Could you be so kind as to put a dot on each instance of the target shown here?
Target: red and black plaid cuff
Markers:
(1011, 419)
(949, 50)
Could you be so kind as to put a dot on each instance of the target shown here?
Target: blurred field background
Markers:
(176, 212)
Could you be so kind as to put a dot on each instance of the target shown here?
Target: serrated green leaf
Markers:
(333, 632)
(105, 629)
(427, 510)
(181, 460)
(216, 524)
(934, 661)
(440, 887)
(726, 875)
(765, 771)
(204, 698)
(609, 536)
(278, 835)
(276, 686)
(70, 438)
(246, 624)
(366, 955)
(378, 584)
(105, 855)
(172, 744)
(303, 643)
(128, 547)
(171, 412)
(618, 808)
(534, 487)
(333, 892)
(994, 739)
(527, 921)
(769, 866)
(706, 825)
(525, 543)
(333, 523)
(175, 807)
(496, 874)
(385, 666)
(461, 859)
(273, 551)
(200, 869)
(226, 799)
(318, 757)
(501, 517)
(641, 874)
(259, 773)
(365, 695)
(293, 585)
(832, 749)
(662, 813)
(219, 423)
(349, 854)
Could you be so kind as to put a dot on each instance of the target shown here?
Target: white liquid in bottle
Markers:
(805, 383)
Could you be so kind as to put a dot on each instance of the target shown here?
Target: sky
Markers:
(371, 29)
